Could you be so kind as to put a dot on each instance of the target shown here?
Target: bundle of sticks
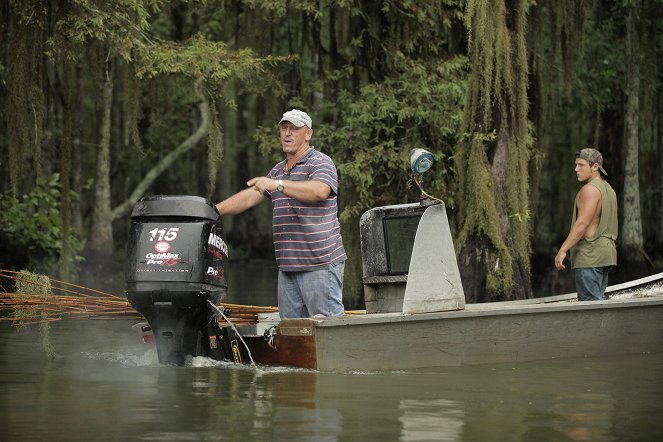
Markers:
(39, 299)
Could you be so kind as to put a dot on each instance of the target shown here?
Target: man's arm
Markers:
(305, 191)
(240, 202)
(588, 203)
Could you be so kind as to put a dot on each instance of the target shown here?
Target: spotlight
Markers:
(420, 160)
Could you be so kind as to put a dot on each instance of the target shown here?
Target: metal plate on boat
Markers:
(295, 331)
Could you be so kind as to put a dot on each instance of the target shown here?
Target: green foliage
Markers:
(376, 129)
(121, 24)
(420, 107)
(124, 28)
(211, 61)
(33, 222)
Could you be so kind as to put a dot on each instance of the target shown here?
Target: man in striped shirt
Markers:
(306, 232)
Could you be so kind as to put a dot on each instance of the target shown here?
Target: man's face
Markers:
(584, 169)
(293, 138)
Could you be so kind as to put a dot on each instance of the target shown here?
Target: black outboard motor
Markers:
(175, 263)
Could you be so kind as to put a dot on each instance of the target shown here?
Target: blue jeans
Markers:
(306, 294)
(591, 283)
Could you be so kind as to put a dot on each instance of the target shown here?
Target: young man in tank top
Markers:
(591, 239)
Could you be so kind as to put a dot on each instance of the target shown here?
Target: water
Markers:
(105, 385)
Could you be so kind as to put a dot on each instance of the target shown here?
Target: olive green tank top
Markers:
(598, 250)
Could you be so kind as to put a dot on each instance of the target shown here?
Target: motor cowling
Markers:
(175, 263)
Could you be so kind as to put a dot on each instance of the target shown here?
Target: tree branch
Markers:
(188, 144)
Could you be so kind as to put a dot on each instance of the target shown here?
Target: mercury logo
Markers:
(217, 242)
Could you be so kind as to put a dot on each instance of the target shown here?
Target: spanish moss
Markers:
(493, 162)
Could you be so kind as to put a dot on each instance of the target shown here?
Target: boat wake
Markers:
(150, 359)
(202, 361)
(147, 359)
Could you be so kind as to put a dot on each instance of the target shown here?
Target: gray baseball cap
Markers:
(592, 156)
(298, 118)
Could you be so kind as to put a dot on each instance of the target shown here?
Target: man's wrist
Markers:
(279, 185)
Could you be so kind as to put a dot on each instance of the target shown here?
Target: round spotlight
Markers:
(421, 160)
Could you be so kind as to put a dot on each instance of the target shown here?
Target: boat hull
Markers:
(480, 334)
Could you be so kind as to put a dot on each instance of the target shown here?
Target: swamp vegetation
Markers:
(102, 102)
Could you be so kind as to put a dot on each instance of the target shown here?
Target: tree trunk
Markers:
(494, 238)
(632, 253)
(100, 245)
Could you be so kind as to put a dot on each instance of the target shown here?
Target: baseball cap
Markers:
(298, 118)
(592, 156)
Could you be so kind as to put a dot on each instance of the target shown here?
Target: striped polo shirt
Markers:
(307, 236)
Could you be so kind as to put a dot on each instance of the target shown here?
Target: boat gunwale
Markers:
(482, 310)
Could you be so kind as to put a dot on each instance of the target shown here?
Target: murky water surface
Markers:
(106, 385)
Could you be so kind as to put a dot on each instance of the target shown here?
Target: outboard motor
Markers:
(175, 264)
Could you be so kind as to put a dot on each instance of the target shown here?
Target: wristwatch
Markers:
(279, 185)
